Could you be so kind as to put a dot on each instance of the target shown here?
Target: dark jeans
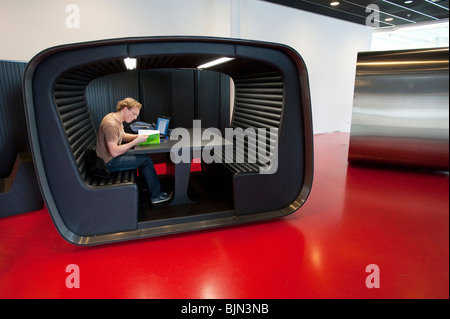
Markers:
(141, 162)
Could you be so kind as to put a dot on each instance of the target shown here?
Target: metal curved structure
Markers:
(271, 92)
(401, 109)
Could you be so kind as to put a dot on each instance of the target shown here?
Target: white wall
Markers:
(415, 36)
(328, 46)
(29, 26)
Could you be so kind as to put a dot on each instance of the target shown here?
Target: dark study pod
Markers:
(271, 92)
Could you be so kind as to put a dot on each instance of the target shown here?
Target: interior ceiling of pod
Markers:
(232, 68)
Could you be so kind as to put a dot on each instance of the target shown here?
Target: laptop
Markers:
(162, 125)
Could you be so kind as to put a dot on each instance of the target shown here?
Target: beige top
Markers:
(110, 129)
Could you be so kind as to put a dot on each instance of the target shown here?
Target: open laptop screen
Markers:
(162, 125)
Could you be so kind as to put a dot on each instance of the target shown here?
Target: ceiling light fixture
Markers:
(394, 4)
(433, 2)
(408, 1)
(334, 3)
(215, 62)
(130, 63)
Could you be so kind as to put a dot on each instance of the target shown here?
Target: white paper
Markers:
(147, 132)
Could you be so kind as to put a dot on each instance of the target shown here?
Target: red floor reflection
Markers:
(354, 217)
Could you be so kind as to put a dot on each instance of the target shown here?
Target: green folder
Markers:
(153, 137)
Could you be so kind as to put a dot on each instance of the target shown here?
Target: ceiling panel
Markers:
(400, 11)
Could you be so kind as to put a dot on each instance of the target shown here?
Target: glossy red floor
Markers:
(354, 217)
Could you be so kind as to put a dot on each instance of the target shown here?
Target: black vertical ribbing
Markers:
(13, 129)
(75, 117)
(258, 104)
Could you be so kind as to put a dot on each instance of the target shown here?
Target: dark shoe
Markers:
(164, 197)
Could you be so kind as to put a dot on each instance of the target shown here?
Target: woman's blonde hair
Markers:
(128, 103)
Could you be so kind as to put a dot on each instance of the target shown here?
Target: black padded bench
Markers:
(90, 206)
(81, 133)
(258, 104)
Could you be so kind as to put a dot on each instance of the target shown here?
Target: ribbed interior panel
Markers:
(258, 105)
(13, 129)
(75, 118)
(77, 121)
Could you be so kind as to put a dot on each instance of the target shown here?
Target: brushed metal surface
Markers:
(401, 109)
